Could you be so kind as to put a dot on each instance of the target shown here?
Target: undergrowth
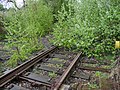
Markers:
(91, 26)
(25, 27)
(2, 32)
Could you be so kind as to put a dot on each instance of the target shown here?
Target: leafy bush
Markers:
(25, 27)
(2, 31)
(89, 25)
(55, 4)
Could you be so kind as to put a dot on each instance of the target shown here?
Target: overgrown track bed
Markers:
(56, 69)
(46, 71)
(91, 76)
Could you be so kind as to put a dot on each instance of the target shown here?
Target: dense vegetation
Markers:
(2, 32)
(1, 7)
(25, 27)
(89, 25)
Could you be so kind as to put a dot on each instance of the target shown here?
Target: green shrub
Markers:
(2, 31)
(55, 4)
(90, 25)
(24, 28)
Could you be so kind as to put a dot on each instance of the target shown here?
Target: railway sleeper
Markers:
(39, 78)
(67, 57)
(55, 61)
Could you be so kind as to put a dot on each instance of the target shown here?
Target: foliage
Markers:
(24, 28)
(89, 25)
(92, 86)
(55, 4)
(1, 7)
(2, 31)
(52, 74)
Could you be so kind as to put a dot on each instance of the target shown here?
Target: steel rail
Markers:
(67, 71)
(4, 79)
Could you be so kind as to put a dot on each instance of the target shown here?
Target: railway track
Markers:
(52, 69)
(46, 71)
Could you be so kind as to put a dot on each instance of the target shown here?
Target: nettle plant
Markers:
(88, 25)
(24, 28)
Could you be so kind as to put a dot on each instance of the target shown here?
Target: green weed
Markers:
(52, 74)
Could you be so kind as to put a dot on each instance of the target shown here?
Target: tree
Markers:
(1, 7)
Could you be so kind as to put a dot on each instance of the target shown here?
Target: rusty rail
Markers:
(4, 79)
(67, 71)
